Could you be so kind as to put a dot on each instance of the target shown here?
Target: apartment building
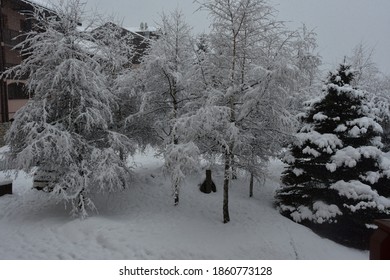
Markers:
(14, 21)
(138, 38)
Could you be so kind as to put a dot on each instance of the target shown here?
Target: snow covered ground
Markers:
(141, 223)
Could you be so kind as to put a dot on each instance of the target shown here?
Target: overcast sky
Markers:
(339, 24)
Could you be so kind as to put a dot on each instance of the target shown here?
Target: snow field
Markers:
(141, 223)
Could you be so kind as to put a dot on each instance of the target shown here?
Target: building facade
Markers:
(14, 22)
(139, 39)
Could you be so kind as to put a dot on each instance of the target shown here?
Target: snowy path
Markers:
(141, 223)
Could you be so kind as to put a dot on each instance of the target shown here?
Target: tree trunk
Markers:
(176, 195)
(121, 154)
(234, 172)
(176, 186)
(175, 104)
(226, 217)
(81, 211)
(251, 186)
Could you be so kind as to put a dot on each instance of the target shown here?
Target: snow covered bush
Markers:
(167, 89)
(337, 179)
(65, 128)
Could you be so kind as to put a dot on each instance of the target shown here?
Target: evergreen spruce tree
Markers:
(337, 180)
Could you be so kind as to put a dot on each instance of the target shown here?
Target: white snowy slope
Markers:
(141, 223)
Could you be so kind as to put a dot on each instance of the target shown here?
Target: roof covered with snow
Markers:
(42, 3)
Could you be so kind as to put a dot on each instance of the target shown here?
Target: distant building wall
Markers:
(14, 22)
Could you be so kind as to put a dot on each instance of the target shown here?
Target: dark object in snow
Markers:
(208, 185)
(380, 241)
(43, 179)
(251, 185)
(5, 188)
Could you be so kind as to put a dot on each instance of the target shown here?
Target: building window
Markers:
(26, 25)
(4, 20)
(12, 37)
(17, 91)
